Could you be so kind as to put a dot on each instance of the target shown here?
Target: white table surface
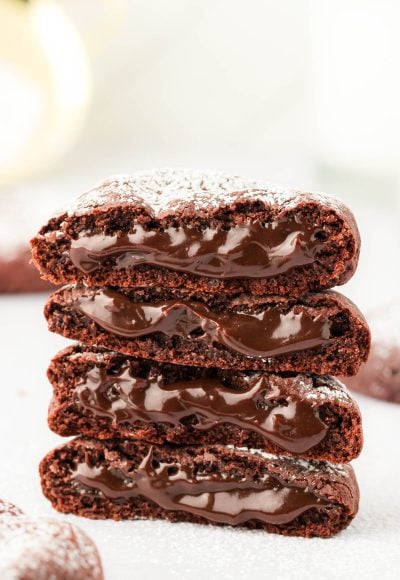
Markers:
(369, 548)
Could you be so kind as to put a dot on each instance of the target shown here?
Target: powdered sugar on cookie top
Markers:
(164, 191)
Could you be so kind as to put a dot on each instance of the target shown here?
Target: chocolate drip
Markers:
(219, 497)
(247, 250)
(260, 334)
(285, 419)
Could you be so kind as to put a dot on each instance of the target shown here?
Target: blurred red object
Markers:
(19, 275)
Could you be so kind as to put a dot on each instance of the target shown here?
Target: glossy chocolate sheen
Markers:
(289, 422)
(218, 497)
(267, 333)
(247, 250)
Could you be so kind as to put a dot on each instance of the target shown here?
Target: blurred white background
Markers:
(300, 92)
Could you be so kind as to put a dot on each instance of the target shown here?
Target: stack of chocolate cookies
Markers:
(201, 387)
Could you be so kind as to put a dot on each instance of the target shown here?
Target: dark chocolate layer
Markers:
(247, 250)
(218, 497)
(122, 479)
(265, 332)
(104, 394)
(322, 333)
(214, 234)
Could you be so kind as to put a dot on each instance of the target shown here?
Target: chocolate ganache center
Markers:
(287, 420)
(268, 332)
(246, 250)
(219, 497)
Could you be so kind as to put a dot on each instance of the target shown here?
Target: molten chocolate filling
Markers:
(285, 419)
(219, 496)
(269, 332)
(247, 250)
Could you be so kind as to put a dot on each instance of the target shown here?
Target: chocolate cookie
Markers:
(44, 548)
(209, 232)
(123, 479)
(19, 218)
(321, 333)
(380, 376)
(103, 394)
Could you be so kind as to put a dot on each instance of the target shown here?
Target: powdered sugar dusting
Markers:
(164, 191)
(307, 465)
(44, 548)
(328, 389)
(321, 389)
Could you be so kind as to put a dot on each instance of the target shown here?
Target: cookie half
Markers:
(321, 333)
(103, 394)
(209, 232)
(122, 479)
